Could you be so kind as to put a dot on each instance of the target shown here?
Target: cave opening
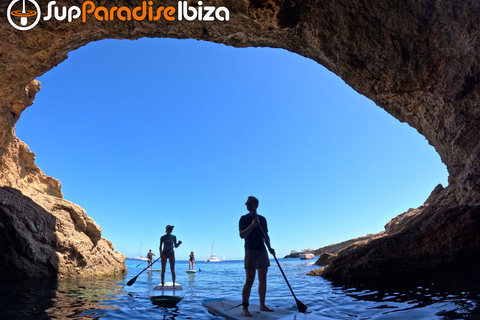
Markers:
(160, 131)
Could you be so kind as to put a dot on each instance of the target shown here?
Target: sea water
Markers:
(111, 298)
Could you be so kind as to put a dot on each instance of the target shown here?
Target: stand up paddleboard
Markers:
(155, 270)
(230, 310)
(167, 295)
(191, 271)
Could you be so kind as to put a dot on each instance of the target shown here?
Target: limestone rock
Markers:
(325, 259)
(28, 239)
(449, 238)
(46, 236)
(20, 171)
(292, 255)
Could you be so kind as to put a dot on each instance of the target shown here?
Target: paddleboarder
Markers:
(169, 242)
(256, 255)
(191, 260)
(150, 255)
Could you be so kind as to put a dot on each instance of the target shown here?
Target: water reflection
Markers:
(26, 299)
(75, 296)
(446, 296)
(452, 296)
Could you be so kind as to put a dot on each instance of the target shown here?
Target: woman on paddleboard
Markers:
(191, 261)
(169, 242)
(253, 228)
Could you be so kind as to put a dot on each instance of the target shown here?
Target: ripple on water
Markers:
(111, 298)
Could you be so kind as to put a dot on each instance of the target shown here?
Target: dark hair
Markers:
(253, 200)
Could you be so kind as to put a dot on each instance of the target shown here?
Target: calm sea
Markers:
(111, 298)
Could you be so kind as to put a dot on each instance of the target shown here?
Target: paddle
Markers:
(140, 263)
(132, 281)
(198, 266)
(301, 307)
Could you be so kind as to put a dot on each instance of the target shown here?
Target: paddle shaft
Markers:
(301, 307)
(140, 263)
(132, 281)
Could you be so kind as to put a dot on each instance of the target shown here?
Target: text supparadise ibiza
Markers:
(147, 11)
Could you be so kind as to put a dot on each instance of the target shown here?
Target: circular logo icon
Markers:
(27, 16)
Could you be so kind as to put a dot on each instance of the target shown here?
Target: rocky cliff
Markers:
(332, 249)
(49, 237)
(419, 60)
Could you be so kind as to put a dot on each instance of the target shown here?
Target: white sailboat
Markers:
(139, 254)
(213, 256)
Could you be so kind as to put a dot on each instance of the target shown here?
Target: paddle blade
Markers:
(132, 281)
(301, 307)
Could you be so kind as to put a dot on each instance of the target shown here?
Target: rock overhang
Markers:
(418, 60)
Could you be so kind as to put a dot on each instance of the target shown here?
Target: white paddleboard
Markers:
(167, 295)
(230, 310)
(191, 271)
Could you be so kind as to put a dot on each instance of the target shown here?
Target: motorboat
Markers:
(305, 256)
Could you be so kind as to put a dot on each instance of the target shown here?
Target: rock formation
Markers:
(419, 60)
(424, 241)
(331, 250)
(48, 237)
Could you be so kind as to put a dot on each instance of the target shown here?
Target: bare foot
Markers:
(265, 308)
(246, 313)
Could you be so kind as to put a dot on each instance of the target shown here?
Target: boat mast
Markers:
(211, 249)
(139, 252)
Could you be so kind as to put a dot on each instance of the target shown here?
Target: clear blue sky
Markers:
(153, 132)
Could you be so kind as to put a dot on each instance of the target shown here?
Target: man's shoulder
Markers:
(261, 217)
(245, 217)
(244, 220)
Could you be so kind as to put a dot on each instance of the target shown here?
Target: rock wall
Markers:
(49, 237)
(438, 241)
(417, 59)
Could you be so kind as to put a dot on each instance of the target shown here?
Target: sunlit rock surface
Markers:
(417, 59)
(49, 237)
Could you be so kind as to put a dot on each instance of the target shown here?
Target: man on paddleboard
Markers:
(253, 228)
(150, 255)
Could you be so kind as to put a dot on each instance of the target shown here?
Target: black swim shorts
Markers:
(255, 259)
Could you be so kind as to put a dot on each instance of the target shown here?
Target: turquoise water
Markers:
(111, 298)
